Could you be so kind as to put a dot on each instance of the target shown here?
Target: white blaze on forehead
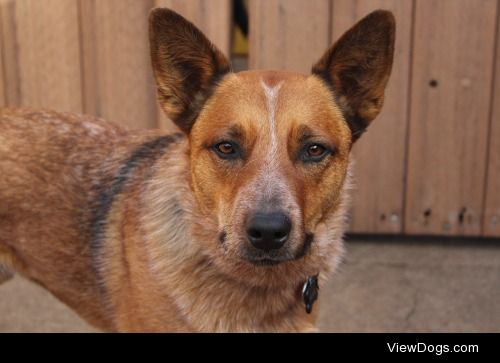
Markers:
(270, 182)
(272, 103)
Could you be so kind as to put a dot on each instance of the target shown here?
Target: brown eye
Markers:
(227, 150)
(315, 151)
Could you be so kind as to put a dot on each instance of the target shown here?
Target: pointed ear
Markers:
(357, 68)
(186, 66)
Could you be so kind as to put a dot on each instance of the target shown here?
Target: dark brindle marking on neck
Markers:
(147, 152)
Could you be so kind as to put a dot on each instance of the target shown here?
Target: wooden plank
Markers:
(380, 153)
(12, 92)
(451, 84)
(213, 18)
(3, 99)
(288, 34)
(491, 223)
(47, 40)
(118, 81)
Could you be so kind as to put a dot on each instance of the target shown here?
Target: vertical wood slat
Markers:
(491, 222)
(12, 92)
(3, 85)
(213, 18)
(288, 34)
(453, 45)
(118, 82)
(380, 153)
(3, 97)
(47, 38)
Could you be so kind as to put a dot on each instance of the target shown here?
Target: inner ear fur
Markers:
(186, 66)
(357, 68)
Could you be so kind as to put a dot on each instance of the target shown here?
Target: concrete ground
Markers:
(385, 285)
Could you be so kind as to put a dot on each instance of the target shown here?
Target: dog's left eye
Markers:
(314, 153)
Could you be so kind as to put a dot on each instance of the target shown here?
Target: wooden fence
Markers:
(430, 164)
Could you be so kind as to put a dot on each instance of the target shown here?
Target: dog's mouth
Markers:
(277, 257)
(267, 261)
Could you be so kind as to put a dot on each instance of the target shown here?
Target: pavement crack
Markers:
(411, 311)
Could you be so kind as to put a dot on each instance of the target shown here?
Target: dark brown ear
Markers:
(357, 68)
(186, 66)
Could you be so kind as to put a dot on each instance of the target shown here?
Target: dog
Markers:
(226, 225)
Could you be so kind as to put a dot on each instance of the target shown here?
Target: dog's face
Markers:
(269, 151)
(269, 155)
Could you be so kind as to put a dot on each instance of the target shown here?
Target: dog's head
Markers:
(269, 151)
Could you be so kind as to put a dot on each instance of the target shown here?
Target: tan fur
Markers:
(138, 231)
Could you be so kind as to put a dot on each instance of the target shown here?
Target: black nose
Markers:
(268, 231)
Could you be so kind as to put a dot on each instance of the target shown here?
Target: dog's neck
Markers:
(207, 299)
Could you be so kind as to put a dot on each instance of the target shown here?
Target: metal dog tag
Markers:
(310, 292)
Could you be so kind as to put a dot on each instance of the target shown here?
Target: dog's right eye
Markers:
(227, 150)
